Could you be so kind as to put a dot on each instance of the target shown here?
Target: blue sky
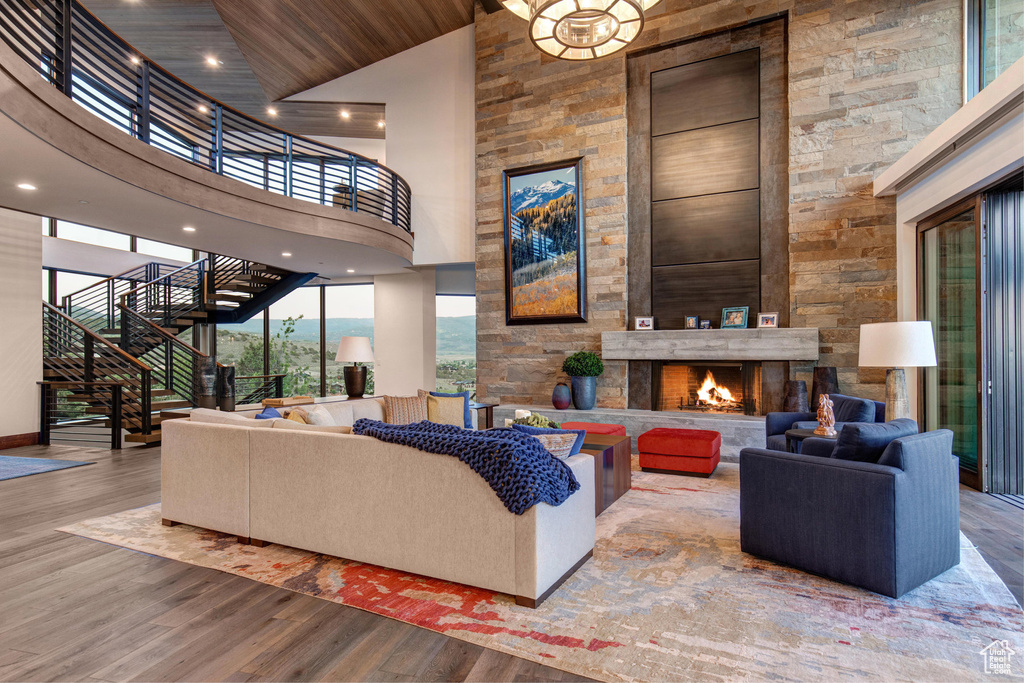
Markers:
(563, 174)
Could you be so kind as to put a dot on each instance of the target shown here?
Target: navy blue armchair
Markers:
(888, 526)
(845, 408)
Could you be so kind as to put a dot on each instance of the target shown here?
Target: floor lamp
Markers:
(906, 344)
(355, 350)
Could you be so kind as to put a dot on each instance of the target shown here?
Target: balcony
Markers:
(57, 61)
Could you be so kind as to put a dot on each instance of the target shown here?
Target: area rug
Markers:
(12, 468)
(668, 596)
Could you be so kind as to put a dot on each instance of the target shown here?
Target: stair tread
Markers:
(152, 437)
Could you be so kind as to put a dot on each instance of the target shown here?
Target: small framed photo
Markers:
(767, 319)
(643, 324)
(735, 317)
(692, 322)
(705, 324)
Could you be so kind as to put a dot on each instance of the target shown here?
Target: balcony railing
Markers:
(92, 65)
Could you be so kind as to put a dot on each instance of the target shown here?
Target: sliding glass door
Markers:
(949, 291)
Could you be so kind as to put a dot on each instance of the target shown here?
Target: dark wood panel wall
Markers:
(708, 183)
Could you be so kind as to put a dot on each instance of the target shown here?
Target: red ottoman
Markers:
(693, 452)
(596, 428)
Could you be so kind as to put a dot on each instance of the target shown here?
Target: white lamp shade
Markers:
(907, 344)
(354, 350)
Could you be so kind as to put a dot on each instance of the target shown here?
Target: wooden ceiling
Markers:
(294, 45)
(180, 34)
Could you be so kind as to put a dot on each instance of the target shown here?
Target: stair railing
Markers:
(222, 270)
(256, 388)
(62, 415)
(95, 306)
(74, 353)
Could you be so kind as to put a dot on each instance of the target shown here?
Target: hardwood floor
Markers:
(74, 609)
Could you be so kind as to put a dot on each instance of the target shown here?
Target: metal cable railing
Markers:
(91, 64)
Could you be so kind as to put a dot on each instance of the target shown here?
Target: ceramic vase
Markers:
(560, 397)
(584, 392)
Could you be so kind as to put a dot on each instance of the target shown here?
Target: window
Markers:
(995, 40)
(456, 344)
(162, 250)
(295, 341)
(101, 238)
(349, 313)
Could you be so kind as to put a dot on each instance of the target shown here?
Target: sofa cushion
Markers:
(467, 414)
(210, 416)
(269, 413)
(330, 429)
(341, 411)
(318, 415)
(777, 442)
(581, 434)
(446, 411)
(866, 441)
(852, 409)
(370, 408)
(403, 410)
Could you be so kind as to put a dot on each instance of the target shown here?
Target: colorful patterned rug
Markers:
(668, 596)
(13, 468)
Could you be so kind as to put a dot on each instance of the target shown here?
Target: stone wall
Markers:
(867, 80)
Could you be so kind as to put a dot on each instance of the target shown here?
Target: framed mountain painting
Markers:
(545, 263)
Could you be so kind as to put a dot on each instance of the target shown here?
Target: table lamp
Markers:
(905, 344)
(355, 350)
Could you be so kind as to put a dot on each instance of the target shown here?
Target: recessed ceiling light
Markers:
(380, 124)
(189, 228)
(286, 253)
(351, 270)
(134, 60)
(271, 111)
(213, 61)
(202, 109)
(344, 114)
(82, 201)
(27, 186)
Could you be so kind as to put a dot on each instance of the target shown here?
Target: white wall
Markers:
(430, 104)
(371, 148)
(404, 332)
(21, 335)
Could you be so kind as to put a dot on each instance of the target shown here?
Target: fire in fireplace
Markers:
(708, 387)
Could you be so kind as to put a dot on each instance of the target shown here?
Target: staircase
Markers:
(128, 330)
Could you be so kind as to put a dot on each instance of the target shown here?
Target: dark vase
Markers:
(796, 397)
(825, 382)
(584, 392)
(561, 398)
(355, 380)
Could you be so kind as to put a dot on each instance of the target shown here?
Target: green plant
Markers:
(536, 420)
(583, 364)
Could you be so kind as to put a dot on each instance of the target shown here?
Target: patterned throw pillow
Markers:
(446, 411)
(558, 445)
(403, 410)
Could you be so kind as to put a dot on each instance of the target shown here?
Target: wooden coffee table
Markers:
(613, 474)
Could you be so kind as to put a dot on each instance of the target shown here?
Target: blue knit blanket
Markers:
(515, 465)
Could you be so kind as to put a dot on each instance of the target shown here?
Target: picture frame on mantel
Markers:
(545, 244)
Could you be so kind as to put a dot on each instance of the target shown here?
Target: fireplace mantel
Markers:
(764, 344)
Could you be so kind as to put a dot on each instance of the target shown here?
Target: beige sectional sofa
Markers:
(362, 499)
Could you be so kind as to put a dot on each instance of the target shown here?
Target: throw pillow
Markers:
(467, 414)
(558, 445)
(403, 410)
(268, 414)
(446, 411)
(296, 416)
(866, 441)
(580, 434)
(318, 415)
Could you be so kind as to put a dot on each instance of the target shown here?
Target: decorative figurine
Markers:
(826, 418)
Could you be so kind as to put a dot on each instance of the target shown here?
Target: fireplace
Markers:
(717, 387)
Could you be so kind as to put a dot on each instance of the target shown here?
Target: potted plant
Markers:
(583, 368)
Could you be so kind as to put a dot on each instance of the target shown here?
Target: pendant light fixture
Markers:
(581, 29)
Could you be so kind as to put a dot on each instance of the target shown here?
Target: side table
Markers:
(613, 474)
(798, 435)
(485, 411)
